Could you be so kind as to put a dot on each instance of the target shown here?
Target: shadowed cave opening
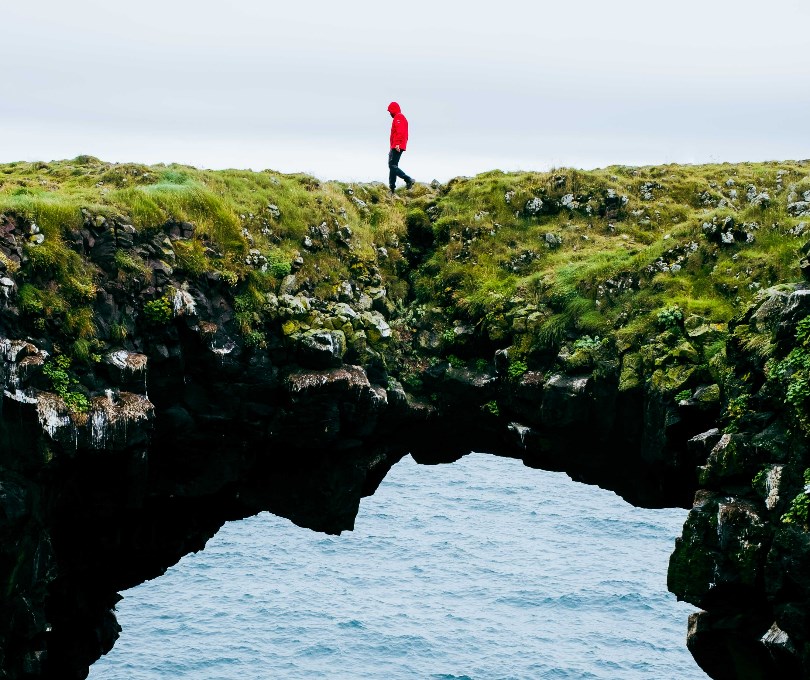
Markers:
(480, 569)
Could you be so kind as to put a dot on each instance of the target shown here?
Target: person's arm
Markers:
(400, 136)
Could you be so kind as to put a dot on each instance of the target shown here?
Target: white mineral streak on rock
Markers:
(7, 287)
(52, 413)
(227, 349)
(112, 411)
(9, 364)
(106, 414)
(119, 358)
(6, 364)
(20, 396)
(128, 361)
(772, 486)
(379, 396)
(776, 637)
(347, 377)
(183, 304)
(99, 424)
(521, 431)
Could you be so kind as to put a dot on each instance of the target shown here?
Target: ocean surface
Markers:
(483, 569)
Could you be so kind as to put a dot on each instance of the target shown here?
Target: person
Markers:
(399, 141)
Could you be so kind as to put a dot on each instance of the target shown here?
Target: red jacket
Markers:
(399, 127)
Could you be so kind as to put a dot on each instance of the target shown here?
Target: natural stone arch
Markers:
(93, 505)
(521, 497)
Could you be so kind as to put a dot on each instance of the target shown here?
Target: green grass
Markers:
(596, 258)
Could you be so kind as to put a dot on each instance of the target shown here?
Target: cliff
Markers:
(181, 348)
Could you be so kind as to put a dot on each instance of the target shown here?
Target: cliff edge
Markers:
(180, 348)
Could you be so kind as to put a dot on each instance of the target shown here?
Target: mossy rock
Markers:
(685, 352)
(290, 327)
(376, 327)
(708, 395)
(724, 542)
(671, 380)
(321, 348)
(498, 330)
(692, 563)
(580, 361)
(630, 376)
(708, 333)
(519, 324)
(359, 343)
(730, 461)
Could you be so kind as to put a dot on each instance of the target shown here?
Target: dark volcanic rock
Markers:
(188, 425)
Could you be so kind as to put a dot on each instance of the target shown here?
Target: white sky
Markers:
(304, 86)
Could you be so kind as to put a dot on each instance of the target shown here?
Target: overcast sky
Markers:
(304, 86)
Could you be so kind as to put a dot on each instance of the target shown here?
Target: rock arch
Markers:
(194, 435)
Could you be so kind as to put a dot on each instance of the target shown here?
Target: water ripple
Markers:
(479, 570)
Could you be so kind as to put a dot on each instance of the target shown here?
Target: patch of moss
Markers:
(670, 380)
(622, 251)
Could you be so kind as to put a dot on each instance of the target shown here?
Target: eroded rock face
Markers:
(92, 503)
(743, 554)
(190, 426)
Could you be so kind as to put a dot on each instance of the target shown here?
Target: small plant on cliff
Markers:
(56, 371)
(118, 332)
(799, 510)
(759, 482)
(455, 362)
(8, 264)
(229, 277)
(683, 395)
(191, 257)
(794, 370)
(588, 343)
(737, 407)
(516, 369)
(670, 317)
(492, 408)
(129, 263)
(254, 338)
(278, 264)
(248, 306)
(412, 381)
(158, 312)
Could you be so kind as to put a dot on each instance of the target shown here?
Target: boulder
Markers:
(534, 206)
(566, 400)
(732, 461)
(721, 551)
(127, 370)
(321, 348)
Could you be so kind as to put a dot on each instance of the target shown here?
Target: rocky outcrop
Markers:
(200, 416)
(744, 548)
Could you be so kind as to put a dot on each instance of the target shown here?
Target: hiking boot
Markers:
(409, 183)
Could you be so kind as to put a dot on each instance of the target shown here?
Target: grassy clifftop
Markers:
(527, 259)
(655, 342)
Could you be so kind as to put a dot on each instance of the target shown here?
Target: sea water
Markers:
(483, 569)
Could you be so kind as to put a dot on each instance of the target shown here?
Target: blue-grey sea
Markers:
(482, 570)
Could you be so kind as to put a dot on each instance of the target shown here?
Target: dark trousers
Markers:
(394, 170)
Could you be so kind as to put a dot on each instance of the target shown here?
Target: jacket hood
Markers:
(393, 107)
